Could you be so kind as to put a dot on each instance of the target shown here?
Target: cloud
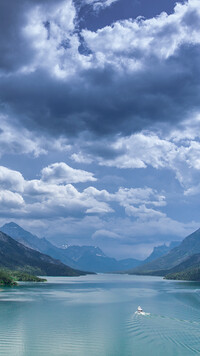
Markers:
(51, 34)
(10, 179)
(194, 190)
(134, 232)
(137, 202)
(140, 150)
(144, 213)
(105, 233)
(139, 196)
(9, 200)
(80, 158)
(138, 72)
(62, 173)
(54, 201)
(15, 139)
(54, 196)
(18, 140)
(102, 195)
(99, 4)
(50, 197)
(14, 47)
(177, 150)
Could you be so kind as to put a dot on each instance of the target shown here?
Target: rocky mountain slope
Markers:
(188, 247)
(14, 255)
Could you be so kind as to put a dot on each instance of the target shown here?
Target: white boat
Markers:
(141, 312)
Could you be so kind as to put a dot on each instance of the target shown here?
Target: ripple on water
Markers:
(71, 340)
(165, 332)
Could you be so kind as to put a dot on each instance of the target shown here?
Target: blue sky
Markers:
(99, 121)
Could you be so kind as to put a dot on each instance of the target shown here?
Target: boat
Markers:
(139, 310)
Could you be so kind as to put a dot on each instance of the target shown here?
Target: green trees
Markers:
(6, 279)
(10, 278)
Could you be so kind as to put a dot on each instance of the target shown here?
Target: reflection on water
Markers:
(95, 315)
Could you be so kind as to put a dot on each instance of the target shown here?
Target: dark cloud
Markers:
(102, 102)
(14, 47)
(11, 43)
(103, 149)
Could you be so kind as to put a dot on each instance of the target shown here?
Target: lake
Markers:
(95, 316)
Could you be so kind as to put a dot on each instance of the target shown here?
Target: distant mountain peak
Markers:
(160, 251)
(12, 224)
(14, 228)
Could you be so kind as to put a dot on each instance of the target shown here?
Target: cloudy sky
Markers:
(100, 121)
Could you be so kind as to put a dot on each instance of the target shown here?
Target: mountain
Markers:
(160, 251)
(188, 247)
(191, 262)
(88, 258)
(92, 258)
(76, 253)
(14, 255)
(34, 242)
(187, 270)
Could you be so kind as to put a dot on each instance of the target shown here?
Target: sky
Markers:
(99, 121)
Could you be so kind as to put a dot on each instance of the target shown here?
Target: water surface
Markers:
(95, 316)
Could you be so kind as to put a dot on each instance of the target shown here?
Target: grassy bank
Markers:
(10, 278)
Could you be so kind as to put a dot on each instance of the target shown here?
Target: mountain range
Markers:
(23, 249)
(179, 259)
(88, 258)
(14, 255)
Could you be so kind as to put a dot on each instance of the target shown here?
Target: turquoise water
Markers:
(95, 315)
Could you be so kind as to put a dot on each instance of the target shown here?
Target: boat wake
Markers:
(169, 333)
(142, 313)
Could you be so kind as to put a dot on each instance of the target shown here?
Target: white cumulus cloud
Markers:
(62, 173)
